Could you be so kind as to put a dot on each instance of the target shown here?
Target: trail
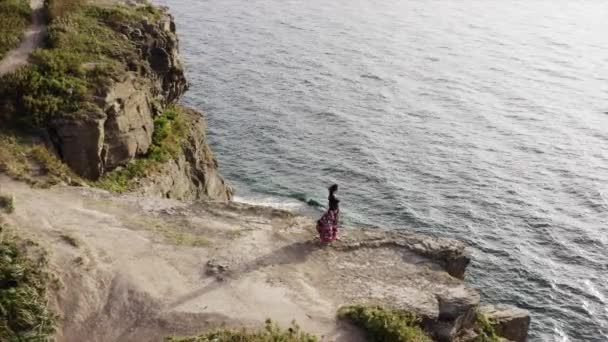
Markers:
(33, 38)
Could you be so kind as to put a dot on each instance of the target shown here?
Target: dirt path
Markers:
(138, 269)
(32, 39)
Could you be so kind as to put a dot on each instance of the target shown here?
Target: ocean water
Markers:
(480, 120)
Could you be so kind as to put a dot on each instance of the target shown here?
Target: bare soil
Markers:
(139, 269)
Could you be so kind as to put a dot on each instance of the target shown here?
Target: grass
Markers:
(383, 324)
(24, 315)
(86, 51)
(179, 236)
(14, 18)
(26, 159)
(270, 333)
(169, 132)
(7, 203)
(59, 8)
(484, 329)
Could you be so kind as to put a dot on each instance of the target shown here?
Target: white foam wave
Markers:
(273, 202)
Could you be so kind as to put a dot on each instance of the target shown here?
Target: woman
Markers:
(327, 226)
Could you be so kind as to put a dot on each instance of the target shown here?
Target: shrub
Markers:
(270, 333)
(484, 329)
(60, 8)
(14, 18)
(383, 324)
(24, 315)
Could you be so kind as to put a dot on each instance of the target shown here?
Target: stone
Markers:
(79, 144)
(456, 312)
(129, 124)
(510, 322)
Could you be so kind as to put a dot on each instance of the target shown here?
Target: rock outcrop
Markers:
(192, 175)
(509, 321)
(121, 130)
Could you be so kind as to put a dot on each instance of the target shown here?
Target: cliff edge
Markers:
(137, 268)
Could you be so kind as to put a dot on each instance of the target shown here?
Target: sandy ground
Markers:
(33, 38)
(145, 268)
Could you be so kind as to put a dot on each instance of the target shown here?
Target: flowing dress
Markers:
(327, 226)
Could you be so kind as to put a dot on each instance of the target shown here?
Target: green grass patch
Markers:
(15, 16)
(24, 315)
(270, 333)
(26, 159)
(383, 324)
(179, 234)
(87, 50)
(484, 329)
(169, 132)
(7, 203)
(59, 8)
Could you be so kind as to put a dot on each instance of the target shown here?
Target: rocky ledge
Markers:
(181, 268)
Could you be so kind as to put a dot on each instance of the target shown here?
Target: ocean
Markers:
(480, 120)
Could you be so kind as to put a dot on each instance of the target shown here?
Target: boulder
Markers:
(456, 313)
(510, 322)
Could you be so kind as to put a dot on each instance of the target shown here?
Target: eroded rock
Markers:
(509, 321)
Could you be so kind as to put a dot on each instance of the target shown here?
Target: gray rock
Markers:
(509, 321)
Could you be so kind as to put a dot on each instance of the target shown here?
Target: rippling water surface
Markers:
(486, 121)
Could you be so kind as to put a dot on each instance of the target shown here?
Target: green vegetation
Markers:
(7, 203)
(384, 324)
(484, 329)
(177, 232)
(59, 8)
(24, 315)
(14, 18)
(270, 333)
(169, 132)
(87, 50)
(26, 159)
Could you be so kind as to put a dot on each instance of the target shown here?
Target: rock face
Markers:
(509, 321)
(192, 175)
(99, 142)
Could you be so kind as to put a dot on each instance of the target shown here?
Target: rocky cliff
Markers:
(100, 141)
(97, 99)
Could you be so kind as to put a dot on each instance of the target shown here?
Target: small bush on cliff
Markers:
(270, 333)
(24, 315)
(383, 324)
(484, 329)
(14, 17)
(169, 132)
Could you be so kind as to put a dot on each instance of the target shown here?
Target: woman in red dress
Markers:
(327, 226)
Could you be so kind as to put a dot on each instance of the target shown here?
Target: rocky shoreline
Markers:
(146, 265)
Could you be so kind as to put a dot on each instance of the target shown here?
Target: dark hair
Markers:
(333, 188)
